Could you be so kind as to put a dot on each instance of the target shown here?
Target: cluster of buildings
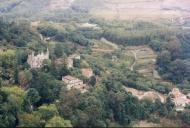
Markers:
(180, 100)
(36, 61)
(73, 82)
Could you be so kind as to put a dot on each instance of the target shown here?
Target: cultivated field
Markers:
(103, 46)
(145, 59)
(143, 9)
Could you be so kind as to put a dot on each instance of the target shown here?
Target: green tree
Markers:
(186, 117)
(24, 77)
(47, 86)
(92, 80)
(32, 96)
(174, 46)
(11, 99)
(77, 63)
(58, 50)
(58, 122)
(163, 59)
(47, 111)
(179, 70)
(29, 120)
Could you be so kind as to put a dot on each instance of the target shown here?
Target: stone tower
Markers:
(37, 61)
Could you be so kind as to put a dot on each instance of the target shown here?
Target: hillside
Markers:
(94, 63)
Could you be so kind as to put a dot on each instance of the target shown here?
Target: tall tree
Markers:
(58, 50)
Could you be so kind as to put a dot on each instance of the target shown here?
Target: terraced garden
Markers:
(145, 59)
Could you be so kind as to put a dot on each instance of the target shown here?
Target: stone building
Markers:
(73, 82)
(36, 61)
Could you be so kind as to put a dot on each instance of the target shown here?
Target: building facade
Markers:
(73, 82)
(37, 61)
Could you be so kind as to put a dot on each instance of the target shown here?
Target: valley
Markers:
(94, 63)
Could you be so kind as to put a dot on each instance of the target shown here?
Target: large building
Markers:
(73, 82)
(37, 61)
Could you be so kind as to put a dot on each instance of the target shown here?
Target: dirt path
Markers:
(102, 50)
(135, 56)
(151, 95)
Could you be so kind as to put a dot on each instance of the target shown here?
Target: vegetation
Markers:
(38, 97)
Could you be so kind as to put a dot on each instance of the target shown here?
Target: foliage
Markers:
(58, 122)
(45, 100)
(18, 35)
(10, 105)
(29, 120)
(46, 85)
(58, 50)
(48, 111)
(92, 81)
(47, 31)
(32, 96)
(24, 77)
(186, 117)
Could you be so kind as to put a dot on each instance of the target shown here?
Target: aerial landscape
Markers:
(94, 63)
